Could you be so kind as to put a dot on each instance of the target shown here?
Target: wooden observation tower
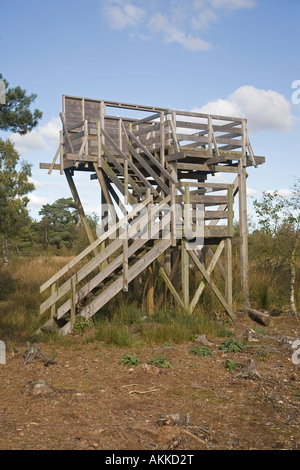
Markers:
(154, 167)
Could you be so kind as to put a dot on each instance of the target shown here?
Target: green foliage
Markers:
(81, 324)
(201, 351)
(232, 345)
(58, 223)
(14, 187)
(231, 365)
(15, 115)
(130, 360)
(160, 361)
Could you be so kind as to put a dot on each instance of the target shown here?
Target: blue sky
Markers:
(234, 57)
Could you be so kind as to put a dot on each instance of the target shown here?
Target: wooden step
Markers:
(88, 311)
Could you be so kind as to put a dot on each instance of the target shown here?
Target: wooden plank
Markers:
(125, 264)
(88, 311)
(204, 199)
(185, 274)
(210, 269)
(160, 167)
(213, 286)
(170, 286)
(147, 119)
(243, 222)
(150, 290)
(80, 209)
(149, 170)
(228, 267)
(97, 242)
(212, 231)
(116, 181)
(132, 231)
(66, 132)
(124, 172)
(205, 116)
(129, 162)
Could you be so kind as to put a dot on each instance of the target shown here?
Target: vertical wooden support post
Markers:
(61, 140)
(162, 139)
(173, 215)
(99, 144)
(243, 219)
(53, 307)
(73, 301)
(210, 136)
(228, 270)
(125, 262)
(80, 208)
(86, 137)
(125, 182)
(230, 210)
(185, 274)
(150, 293)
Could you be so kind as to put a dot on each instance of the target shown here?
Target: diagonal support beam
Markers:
(170, 286)
(213, 286)
(210, 269)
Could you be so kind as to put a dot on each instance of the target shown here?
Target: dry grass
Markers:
(122, 322)
(20, 296)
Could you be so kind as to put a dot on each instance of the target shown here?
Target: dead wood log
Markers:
(259, 317)
(249, 371)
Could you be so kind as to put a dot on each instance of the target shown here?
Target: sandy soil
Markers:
(88, 399)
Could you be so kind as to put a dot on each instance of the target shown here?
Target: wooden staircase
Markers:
(86, 284)
(157, 164)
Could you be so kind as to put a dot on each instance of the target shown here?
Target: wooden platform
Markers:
(154, 159)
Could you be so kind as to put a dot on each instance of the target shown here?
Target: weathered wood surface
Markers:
(164, 152)
(259, 317)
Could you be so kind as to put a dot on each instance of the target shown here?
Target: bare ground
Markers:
(88, 399)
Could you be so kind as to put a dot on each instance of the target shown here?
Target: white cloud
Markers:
(42, 139)
(51, 130)
(36, 201)
(251, 191)
(175, 21)
(233, 4)
(37, 184)
(171, 33)
(281, 192)
(264, 109)
(121, 15)
(31, 141)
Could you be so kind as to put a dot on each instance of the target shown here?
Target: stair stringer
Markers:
(88, 311)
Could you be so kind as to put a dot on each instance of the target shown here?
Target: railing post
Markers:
(228, 270)
(230, 210)
(73, 301)
(184, 253)
(53, 306)
(99, 143)
(162, 138)
(125, 261)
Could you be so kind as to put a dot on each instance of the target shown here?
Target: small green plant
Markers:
(262, 355)
(130, 360)
(81, 324)
(231, 365)
(232, 345)
(259, 330)
(201, 351)
(160, 361)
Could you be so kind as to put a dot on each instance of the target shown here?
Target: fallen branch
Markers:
(259, 317)
(146, 391)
